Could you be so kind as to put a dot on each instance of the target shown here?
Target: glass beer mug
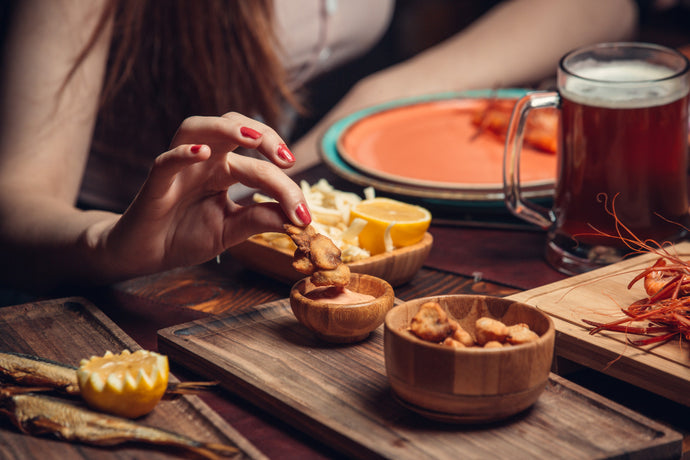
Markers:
(623, 141)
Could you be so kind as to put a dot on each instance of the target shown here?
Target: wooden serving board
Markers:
(67, 330)
(598, 296)
(340, 395)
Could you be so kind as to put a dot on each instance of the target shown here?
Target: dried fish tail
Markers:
(183, 388)
(40, 414)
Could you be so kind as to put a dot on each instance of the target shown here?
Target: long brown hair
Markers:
(225, 49)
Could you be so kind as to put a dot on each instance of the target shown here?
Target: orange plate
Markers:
(435, 145)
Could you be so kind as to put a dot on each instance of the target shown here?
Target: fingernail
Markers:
(249, 132)
(195, 148)
(285, 153)
(303, 214)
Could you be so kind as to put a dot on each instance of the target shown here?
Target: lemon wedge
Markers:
(391, 224)
(129, 384)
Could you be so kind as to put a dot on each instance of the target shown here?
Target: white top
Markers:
(319, 35)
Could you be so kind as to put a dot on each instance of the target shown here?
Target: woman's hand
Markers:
(183, 215)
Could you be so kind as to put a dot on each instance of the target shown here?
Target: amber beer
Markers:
(623, 147)
(630, 144)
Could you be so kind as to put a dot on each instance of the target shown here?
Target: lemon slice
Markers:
(391, 224)
(128, 384)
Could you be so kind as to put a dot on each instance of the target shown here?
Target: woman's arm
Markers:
(182, 214)
(45, 135)
(516, 43)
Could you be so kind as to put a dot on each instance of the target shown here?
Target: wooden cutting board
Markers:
(340, 395)
(67, 330)
(599, 296)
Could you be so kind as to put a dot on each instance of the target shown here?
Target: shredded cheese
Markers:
(330, 211)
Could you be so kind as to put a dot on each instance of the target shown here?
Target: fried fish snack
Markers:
(450, 342)
(462, 336)
(489, 329)
(324, 254)
(339, 276)
(431, 323)
(318, 256)
(520, 333)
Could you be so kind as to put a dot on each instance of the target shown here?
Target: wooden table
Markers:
(145, 305)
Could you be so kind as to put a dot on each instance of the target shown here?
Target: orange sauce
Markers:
(335, 295)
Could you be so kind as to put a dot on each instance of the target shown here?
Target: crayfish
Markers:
(666, 282)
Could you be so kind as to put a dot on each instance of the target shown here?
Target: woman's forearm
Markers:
(46, 243)
(519, 42)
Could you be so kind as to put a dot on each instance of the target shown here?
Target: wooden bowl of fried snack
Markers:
(336, 322)
(467, 358)
(397, 267)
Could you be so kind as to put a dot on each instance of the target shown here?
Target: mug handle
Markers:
(524, 209)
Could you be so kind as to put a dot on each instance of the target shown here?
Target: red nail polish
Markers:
(195, 148)
(303, 214)
(249, 132)
(285, 153)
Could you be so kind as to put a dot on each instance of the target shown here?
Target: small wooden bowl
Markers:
(397, 267)
(339, 323)
(473, 384)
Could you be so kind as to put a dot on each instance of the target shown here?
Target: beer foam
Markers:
(622, 84)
